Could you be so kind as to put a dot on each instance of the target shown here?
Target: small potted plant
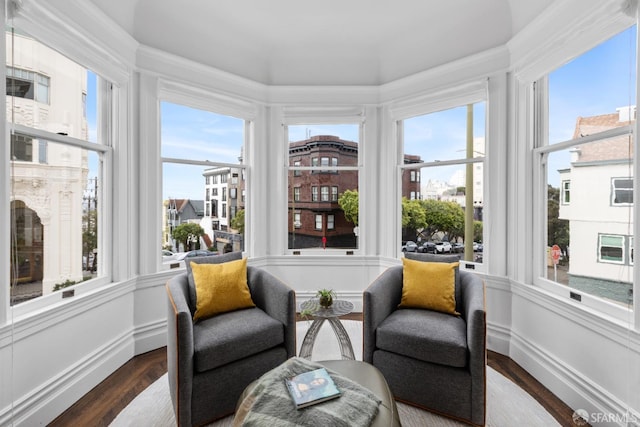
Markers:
(326, 297)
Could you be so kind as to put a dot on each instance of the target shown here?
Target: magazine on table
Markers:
(312, 387)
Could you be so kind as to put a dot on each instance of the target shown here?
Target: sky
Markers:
(597, 82)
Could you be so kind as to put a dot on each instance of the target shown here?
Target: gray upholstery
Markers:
(211, 362)
(432, 360)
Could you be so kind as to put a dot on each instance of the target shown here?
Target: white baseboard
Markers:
(150, 337)
(43, 405)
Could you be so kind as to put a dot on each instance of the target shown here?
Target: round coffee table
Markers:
(332, 314)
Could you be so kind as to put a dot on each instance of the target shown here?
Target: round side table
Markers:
(320, 314)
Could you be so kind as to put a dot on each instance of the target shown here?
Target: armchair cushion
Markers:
(217, 259)
(425, 335)
(429, 285)
(233, 336)
(442, 258)
(220, 288)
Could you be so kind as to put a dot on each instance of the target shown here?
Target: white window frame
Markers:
(614, 189)
(565, 197)
(350, 115)
(623, 244)
(473, 93)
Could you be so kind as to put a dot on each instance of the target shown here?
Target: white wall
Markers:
(52, 356)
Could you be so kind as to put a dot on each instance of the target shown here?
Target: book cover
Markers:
(312, 387)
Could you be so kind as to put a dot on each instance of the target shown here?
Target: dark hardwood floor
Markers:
(102, 404)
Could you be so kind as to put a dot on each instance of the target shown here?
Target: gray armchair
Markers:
(430, 359)
(210, 362)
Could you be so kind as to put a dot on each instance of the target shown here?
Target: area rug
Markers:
(507, 404)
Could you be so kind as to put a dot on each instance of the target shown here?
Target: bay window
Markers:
(203, 171)
(442, 190)
(584, 163)
(59, 158)
(323, 160)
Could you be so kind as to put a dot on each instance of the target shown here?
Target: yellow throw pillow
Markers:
(429, 285)
(220, 288)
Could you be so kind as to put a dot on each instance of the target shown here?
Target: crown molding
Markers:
(82, 32)
(571, 27)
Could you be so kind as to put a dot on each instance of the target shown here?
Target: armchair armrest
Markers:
(380, 299)
(180, 346)
(278, 300)
(473, 297)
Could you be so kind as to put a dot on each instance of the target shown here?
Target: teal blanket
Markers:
(269, 402)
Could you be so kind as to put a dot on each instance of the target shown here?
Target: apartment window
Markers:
(188, 140)
(585, 167)
(621, 191)
(332, 151)
(21, 148)
(56, 179)
(234, 178)
(27, 84)
(454, 195)
(233, 193)
(324, 194)
(611, 248)
(297, 221)
(566, 192)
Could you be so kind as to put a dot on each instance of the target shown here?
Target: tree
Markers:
(413, 215)
(237, 222)
(557, 229)
(477, 231)
(187, 232)
(349, 203)
(441, 216)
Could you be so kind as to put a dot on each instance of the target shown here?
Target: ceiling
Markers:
(330, 42)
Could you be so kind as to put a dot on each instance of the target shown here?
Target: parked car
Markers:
(168, 256)
(427, 247)
(479, 248)
(409, 246)
(443, 247)
(196, 253)
(457, 247)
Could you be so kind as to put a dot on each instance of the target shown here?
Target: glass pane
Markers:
(60, 97)
(203, 207)
(434, 220)
(434, 198)
(599, 81)
(55, 187)
(593, 228)
(323, 202)
(443, 135)
(54, 222)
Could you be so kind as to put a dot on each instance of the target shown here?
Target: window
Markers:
(444, 202)
(26, 84)
(21, 148)
(611, 248)
(621, 191)
(57, 170)
(566, 192)
(585, 164)
(188, 137)
(332, 155)
(324, 193)
(297, 222)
